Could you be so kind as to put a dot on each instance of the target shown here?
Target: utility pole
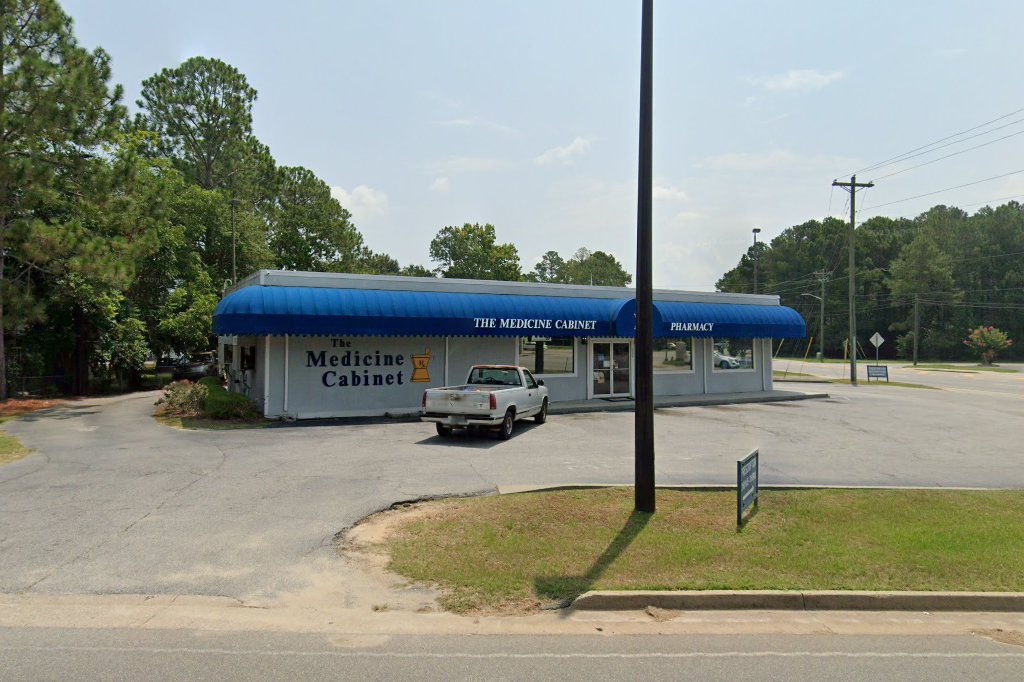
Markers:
(917, 326)
(852, 186)
(234, 271)
(643, 417)
(821, 326)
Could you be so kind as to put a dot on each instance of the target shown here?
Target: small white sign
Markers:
(877, 340)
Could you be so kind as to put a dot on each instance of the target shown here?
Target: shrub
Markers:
(222, 404)
(182, 399)
(988, 342)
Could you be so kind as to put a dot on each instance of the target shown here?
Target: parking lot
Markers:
(113, 502)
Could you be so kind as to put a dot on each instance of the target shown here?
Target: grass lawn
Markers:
(962, 368)
(880, 382)
(11, 448)
(514, 553)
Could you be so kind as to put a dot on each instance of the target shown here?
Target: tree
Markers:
(470, 252)
(202, 110)
(594, 267)
(549, 269)
(988, 342)
(55, 111)
(310, 230)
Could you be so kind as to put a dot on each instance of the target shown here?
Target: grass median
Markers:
(516, 553)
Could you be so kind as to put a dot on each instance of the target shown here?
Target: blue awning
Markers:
(727, 320)
(270, 311)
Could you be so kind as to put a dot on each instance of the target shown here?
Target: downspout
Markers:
(286, 344)
(266, 377)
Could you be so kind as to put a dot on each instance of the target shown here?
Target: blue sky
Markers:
(524, 114)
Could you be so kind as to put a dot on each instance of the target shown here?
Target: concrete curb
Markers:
(786, 600)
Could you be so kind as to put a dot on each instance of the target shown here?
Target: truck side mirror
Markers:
(540, 382)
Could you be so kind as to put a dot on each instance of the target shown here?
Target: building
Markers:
(310, 345)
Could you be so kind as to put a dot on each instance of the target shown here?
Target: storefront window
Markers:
(547, 355)
(673, 355)
(733, 354)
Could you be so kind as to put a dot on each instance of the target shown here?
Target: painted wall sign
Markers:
(349, 367)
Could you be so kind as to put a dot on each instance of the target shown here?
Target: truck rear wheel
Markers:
(442, 430)
(507, 425)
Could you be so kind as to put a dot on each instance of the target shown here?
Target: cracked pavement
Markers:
(112, 502)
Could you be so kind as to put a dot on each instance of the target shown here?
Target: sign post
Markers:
(877, 371)
(877, 340)
(746, 485)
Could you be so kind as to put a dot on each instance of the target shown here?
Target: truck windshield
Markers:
(494, 376)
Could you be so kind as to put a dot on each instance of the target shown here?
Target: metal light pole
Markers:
(234, 272)
(821, 325)
(643, 416)
(755, 231)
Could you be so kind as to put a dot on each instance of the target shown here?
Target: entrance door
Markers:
(610, 368)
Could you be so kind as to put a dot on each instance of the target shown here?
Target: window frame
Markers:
(576, 347)
(753, 356)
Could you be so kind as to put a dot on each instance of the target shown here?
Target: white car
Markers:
(725, 361)
(494, 396)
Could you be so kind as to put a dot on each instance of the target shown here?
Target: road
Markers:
(132, 549)
(61, 654)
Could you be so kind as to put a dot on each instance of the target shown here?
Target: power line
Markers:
(899, 157)
(962, 151)
(947, 189)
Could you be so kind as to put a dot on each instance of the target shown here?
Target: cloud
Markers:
(777, 160)
(476, 122)
(440, 185)
(468, 164)
(663, 193)
(564, 155)
(797, 79)
(362, 200)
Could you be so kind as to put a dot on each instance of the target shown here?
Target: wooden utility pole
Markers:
(852, 186)
(822, 277)
(644, 410)
(917, 326)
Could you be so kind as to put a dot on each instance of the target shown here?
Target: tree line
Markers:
(119, 233)
(963, 270)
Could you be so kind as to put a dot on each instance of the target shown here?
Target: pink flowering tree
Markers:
(988, 342)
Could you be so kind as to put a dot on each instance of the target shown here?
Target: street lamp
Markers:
(234, 273)
(821, 323)
(755, 231)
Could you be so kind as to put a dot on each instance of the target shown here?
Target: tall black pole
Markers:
(644, 415)
(234, 272)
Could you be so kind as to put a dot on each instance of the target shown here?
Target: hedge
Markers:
(222, 404)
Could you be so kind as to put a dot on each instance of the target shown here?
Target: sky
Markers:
(524, 114)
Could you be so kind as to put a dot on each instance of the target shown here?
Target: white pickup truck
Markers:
(494, 396)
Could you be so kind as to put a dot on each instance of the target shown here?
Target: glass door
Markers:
(610, 368)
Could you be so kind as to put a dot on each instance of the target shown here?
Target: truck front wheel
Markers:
(507, 424)
(542, 416)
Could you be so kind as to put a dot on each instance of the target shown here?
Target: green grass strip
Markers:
(512, 553)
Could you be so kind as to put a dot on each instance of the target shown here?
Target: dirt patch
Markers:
(1014, 637)
(18, 406)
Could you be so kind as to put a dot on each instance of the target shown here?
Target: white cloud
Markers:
(776, 160)
(440, 185)
(476, 122)
(663, 193)
(362, 200)
(797, 79)
(564, 155)
(468, 164)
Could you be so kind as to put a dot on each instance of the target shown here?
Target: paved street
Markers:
(112, 502)
(61, 654)
(130, 550)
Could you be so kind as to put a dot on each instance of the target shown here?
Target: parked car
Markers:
(494, 396)
(195, 367)
(725, 361)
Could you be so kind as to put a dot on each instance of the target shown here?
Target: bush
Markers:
(183, 399)
(988, 342)
(222, 404)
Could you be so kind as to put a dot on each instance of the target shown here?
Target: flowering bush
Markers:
(182, 399)
(988, 342)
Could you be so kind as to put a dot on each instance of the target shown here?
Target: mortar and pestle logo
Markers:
(420, 369)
